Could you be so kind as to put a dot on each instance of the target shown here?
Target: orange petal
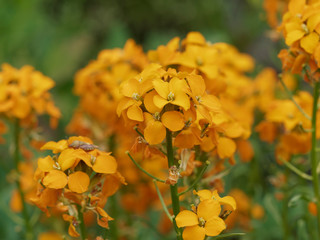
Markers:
(310, 42)
(211, 102)
(154, 133)
(294, 36)
(196, 84)
(208, 208)
(203, 194)
(194, 232)
(72, 231)
(226, 147)
(56, 147)
(149, 104)
(214, 226)
(78, 182)
(68, 157)
(105, 164)
(46, 164)
(135, 113)
(21, 108)
(173, 120)
(159, 101)
(186, 218)
(228, 200)
(55, 179)
(161, 87)
(79, 138)
(182, 100)
(124, 104)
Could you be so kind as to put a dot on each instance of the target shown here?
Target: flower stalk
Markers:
(29, 232)
(313, 153)
(173, 188)
(82, 226)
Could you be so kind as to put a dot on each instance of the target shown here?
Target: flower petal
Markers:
(78, 182)
(186, 218)
(208, 208)
(68, 157)
(228, 200)
(226, 147)
(214, 226)
(294, 36)
(105, 164)
(55, 179)
(203, 194)
(194, 232)
(155, 132)
(135, 113)
(310, 42)
(56, 147)
(149, 104)
(45, 164)
(182, 100)
(161, 87)
(173, 120)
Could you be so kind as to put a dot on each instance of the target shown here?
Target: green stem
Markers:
(296, 170)
(138, 166)
(285, 209)
(162, 201)
(173, 188)
(81, 223)
(113, 208)
(195, 181)
(313, 154)
(29, 231)
(293, 100)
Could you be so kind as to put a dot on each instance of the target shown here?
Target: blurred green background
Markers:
(60, 37)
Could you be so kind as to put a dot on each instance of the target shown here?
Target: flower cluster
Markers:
(179, 91)
(78, 175)
(24, 95)
(207, 217)
(300, 26)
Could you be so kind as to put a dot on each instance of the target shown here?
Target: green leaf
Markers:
(294, 200)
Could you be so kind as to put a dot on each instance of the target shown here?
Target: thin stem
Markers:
(196, 180)
(313, 153)
(162, 201)
(137, 130)
(293, 100)
(173, 188)
(285, 208)
(29, 231)
(81, 223)
(296, 170)
(113, 208)
(138, 166)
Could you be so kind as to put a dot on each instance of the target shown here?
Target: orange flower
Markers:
(24, 95)
(205, 221)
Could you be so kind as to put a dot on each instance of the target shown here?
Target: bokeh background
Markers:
(60, 37)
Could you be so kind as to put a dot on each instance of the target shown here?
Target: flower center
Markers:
(198, 98)
(156, 116)
(170, 96)
(305, 28)
(56, 166)
(199, 61)
(202, 222)
(136, 96)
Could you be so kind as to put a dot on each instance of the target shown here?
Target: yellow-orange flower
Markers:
(205, 221)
